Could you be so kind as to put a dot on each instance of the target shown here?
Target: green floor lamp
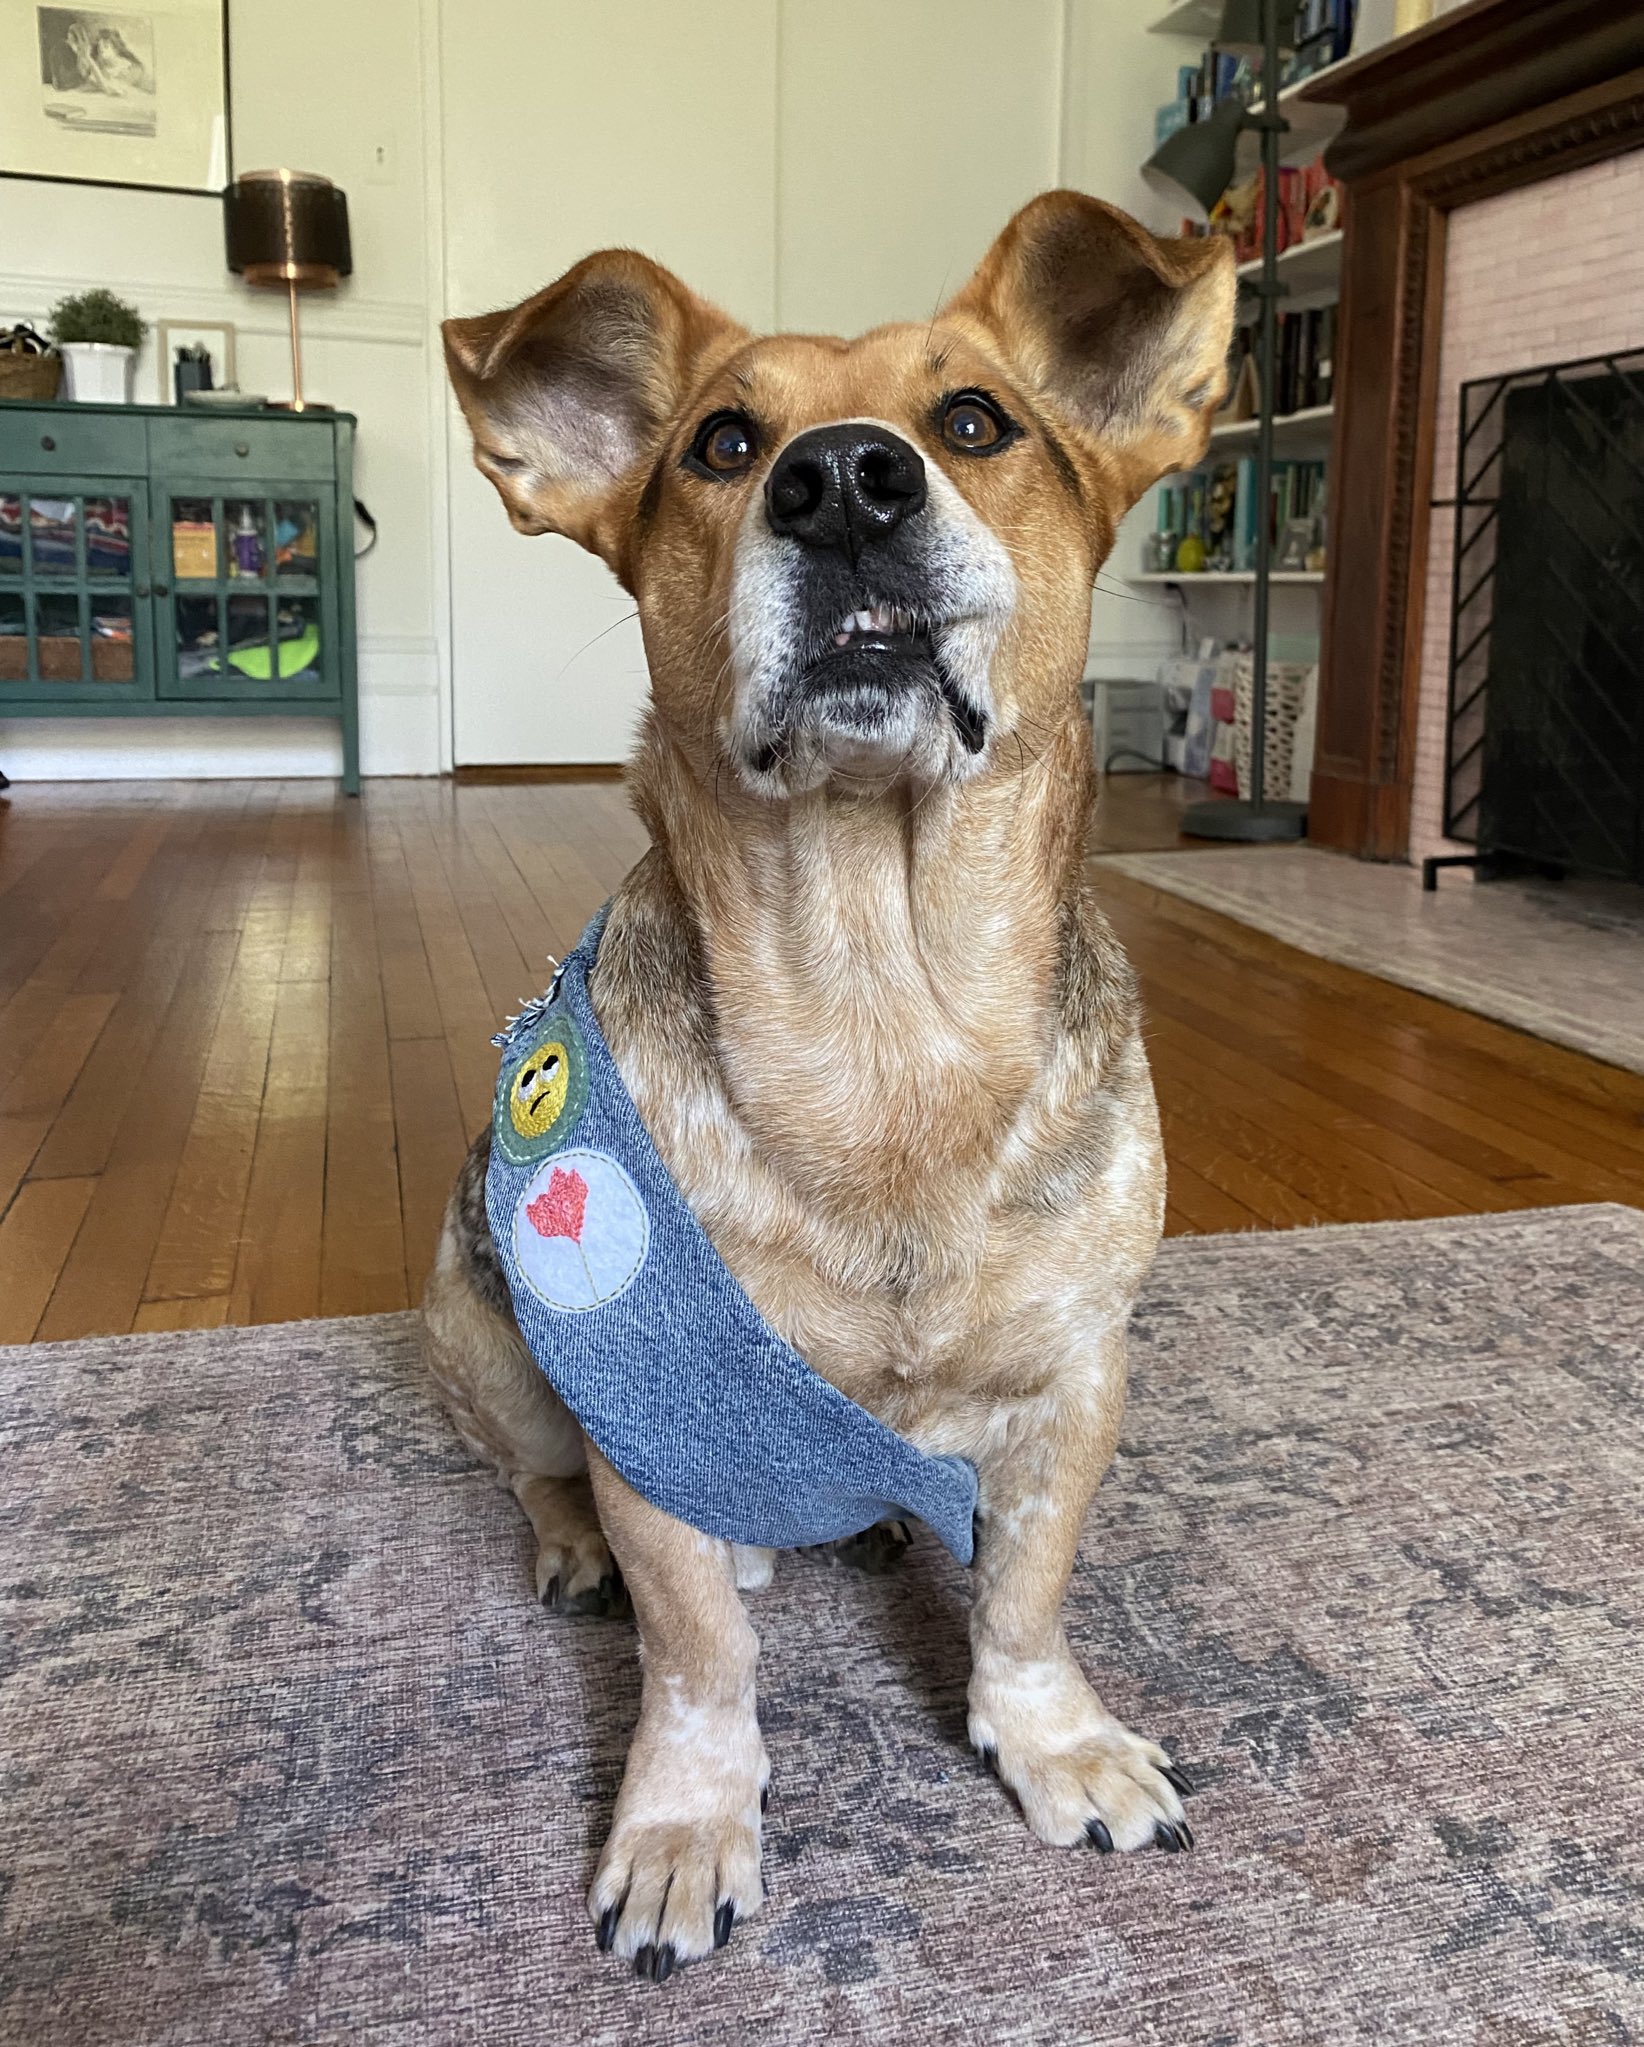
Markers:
(1192, 169)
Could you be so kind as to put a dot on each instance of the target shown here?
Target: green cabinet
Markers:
(156, 562)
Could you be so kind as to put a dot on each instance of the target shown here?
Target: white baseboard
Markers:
(399, 734)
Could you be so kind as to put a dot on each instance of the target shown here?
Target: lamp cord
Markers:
(362, 513)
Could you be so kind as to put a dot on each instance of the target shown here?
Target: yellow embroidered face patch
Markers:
(538, 1093)
(541, 1090)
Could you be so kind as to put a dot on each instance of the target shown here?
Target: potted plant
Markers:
(99, 336)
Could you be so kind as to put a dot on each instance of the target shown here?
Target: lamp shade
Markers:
(1194, 167)
(1243, 30)
(287, 227)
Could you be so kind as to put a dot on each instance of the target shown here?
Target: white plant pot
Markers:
(98, 372)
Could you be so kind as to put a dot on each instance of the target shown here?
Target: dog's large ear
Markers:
(1126, 334)
(570, 392)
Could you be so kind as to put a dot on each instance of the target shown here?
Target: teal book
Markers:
(1245, 516)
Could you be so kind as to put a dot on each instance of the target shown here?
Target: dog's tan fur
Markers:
(876, 1025)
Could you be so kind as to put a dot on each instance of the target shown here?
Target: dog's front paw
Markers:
(681, 1866)
(580, 1576)
(575, 1571)
(1078, 1774)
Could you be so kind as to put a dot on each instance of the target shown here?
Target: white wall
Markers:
(648, 124)
(907, 136)
(824, 164)
(1114, 75)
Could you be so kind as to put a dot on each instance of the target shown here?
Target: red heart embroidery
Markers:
(559, 1211)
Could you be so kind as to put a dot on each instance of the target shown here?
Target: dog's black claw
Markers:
(1177, 1779)
(662, 1962)
(764, 1798)
(609, 1596)
(875, 1550)
(1166, 1837)
(724, 1920)
(1186, 1833)
(550, 1592)
(989, 1758)
(605, 1938)
(1100, 1839)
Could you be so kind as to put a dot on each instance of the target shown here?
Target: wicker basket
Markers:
(31, 377)
(1292, 713)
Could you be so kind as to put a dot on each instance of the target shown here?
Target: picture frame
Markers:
(216, 336)
(133, 93)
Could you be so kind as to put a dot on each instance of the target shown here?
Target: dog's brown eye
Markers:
(726, 445)
(973, 423)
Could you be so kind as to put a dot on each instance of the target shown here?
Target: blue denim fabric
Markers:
(645, 1335)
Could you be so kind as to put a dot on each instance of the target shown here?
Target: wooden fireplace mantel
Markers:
(1494, 95)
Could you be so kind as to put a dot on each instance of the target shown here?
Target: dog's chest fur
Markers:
(923, 1140)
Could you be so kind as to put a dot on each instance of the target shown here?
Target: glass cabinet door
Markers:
(246, 611)
(73, 584)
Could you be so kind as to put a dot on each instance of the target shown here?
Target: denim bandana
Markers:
(645, 1335)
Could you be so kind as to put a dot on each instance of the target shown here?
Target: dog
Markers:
(858, 989)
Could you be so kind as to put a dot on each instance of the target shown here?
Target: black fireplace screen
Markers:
(1546, 726)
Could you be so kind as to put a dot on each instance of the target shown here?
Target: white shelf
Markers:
(1228, 576)
(1291, 430)
(1310, 272)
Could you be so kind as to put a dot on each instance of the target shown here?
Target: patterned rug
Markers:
(1561, 960)
(288, 1754)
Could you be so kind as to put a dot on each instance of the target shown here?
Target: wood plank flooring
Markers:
(244, 1037)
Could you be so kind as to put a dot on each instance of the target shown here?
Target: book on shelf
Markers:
(1310, 204)
(1208, 522)
(1304, 376)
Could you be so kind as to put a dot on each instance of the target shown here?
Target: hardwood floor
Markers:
(244, 1037)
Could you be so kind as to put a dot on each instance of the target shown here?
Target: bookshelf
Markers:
(1229, 508)
(1308, 272)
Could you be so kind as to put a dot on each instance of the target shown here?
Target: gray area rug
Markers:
(1564, 961)
(290, 1755)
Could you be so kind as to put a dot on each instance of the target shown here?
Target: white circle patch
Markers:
(580, 1231)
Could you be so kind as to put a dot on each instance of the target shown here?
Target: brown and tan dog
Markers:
(875, 1024)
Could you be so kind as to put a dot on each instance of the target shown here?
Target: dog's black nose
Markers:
(842, 486)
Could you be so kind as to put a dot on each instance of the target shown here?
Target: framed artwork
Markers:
(120, 95)
(214, 336)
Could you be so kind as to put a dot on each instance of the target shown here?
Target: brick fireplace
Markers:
(1544, 274)
(1494, 166)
